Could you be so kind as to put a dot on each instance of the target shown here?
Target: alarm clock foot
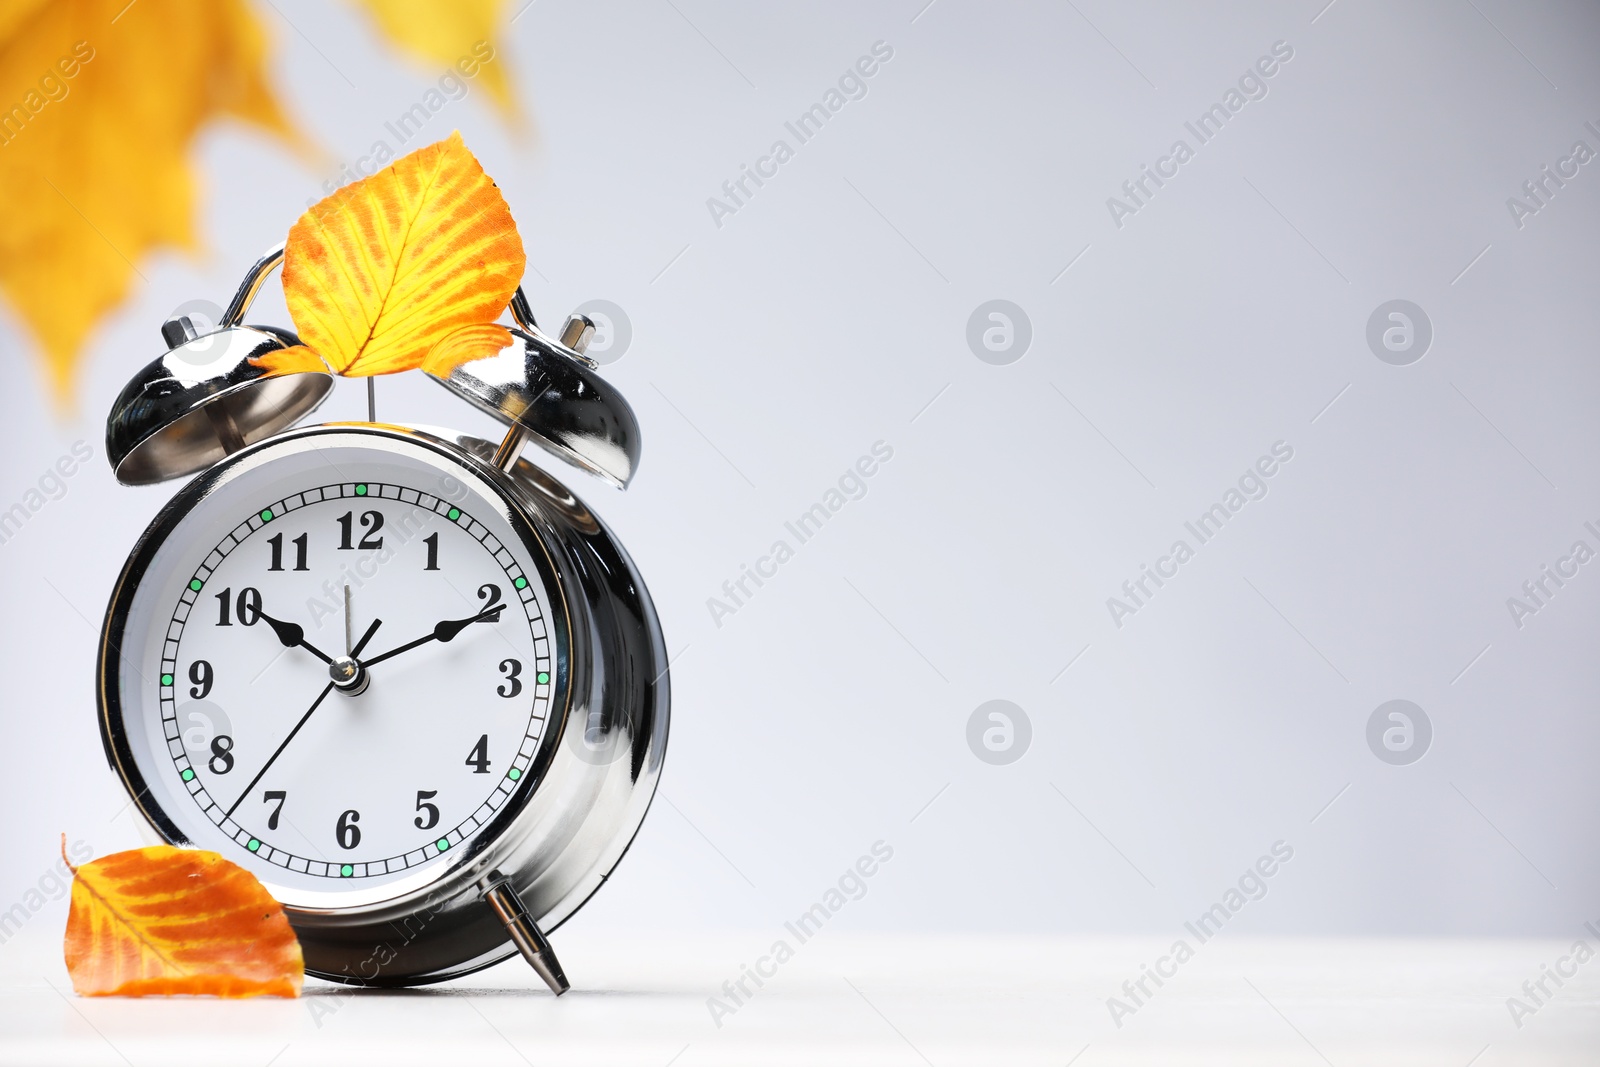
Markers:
(527, 936)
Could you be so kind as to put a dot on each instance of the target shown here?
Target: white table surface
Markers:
(852, 999)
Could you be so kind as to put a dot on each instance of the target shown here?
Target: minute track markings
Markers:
(514, 765)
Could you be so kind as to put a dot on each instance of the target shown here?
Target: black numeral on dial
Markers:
(247, 607)
(221, 761)
(200, 674)
(372, 520)
(432, 541)
(348, 833)
(478, 758)
(430, 817)
(275, 542)
(271, 796)
(512, 669)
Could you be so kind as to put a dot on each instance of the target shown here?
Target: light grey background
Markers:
(830, 313)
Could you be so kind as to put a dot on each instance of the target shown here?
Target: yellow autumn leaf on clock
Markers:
(379, 273)
(100, 101)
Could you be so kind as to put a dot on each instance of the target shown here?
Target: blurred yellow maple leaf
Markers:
(383, 270)
(13, 12)
(443, 33)
(99, 101)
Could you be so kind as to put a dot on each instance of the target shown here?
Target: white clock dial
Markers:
(341, 664)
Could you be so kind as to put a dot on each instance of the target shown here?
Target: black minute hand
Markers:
(444, 631)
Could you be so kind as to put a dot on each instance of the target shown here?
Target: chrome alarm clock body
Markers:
(547, 668)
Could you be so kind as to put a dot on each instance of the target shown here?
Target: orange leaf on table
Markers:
(100, 103)
(167, 921)
(387, 267)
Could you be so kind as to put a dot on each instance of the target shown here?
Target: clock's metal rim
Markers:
(119, 753)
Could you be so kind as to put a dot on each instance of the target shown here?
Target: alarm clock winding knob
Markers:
(577, 333)
(179, 330)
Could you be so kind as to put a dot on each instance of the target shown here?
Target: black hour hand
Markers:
(291, 634)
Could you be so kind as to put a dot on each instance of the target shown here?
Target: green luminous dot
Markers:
(187, 775)
(544, 677)
(441, 844)
(346, 871)
(266, 516)
(166, 679)
(513, 774)
(254, 845)
(195, 584)
(521, 583)
(361, 490)
(454, 514)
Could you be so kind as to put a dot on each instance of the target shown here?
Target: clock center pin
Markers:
(349, 676)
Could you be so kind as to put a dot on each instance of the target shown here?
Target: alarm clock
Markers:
(404, 676)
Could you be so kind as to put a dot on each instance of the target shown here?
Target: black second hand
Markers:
(314, 706)
(266, 766)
